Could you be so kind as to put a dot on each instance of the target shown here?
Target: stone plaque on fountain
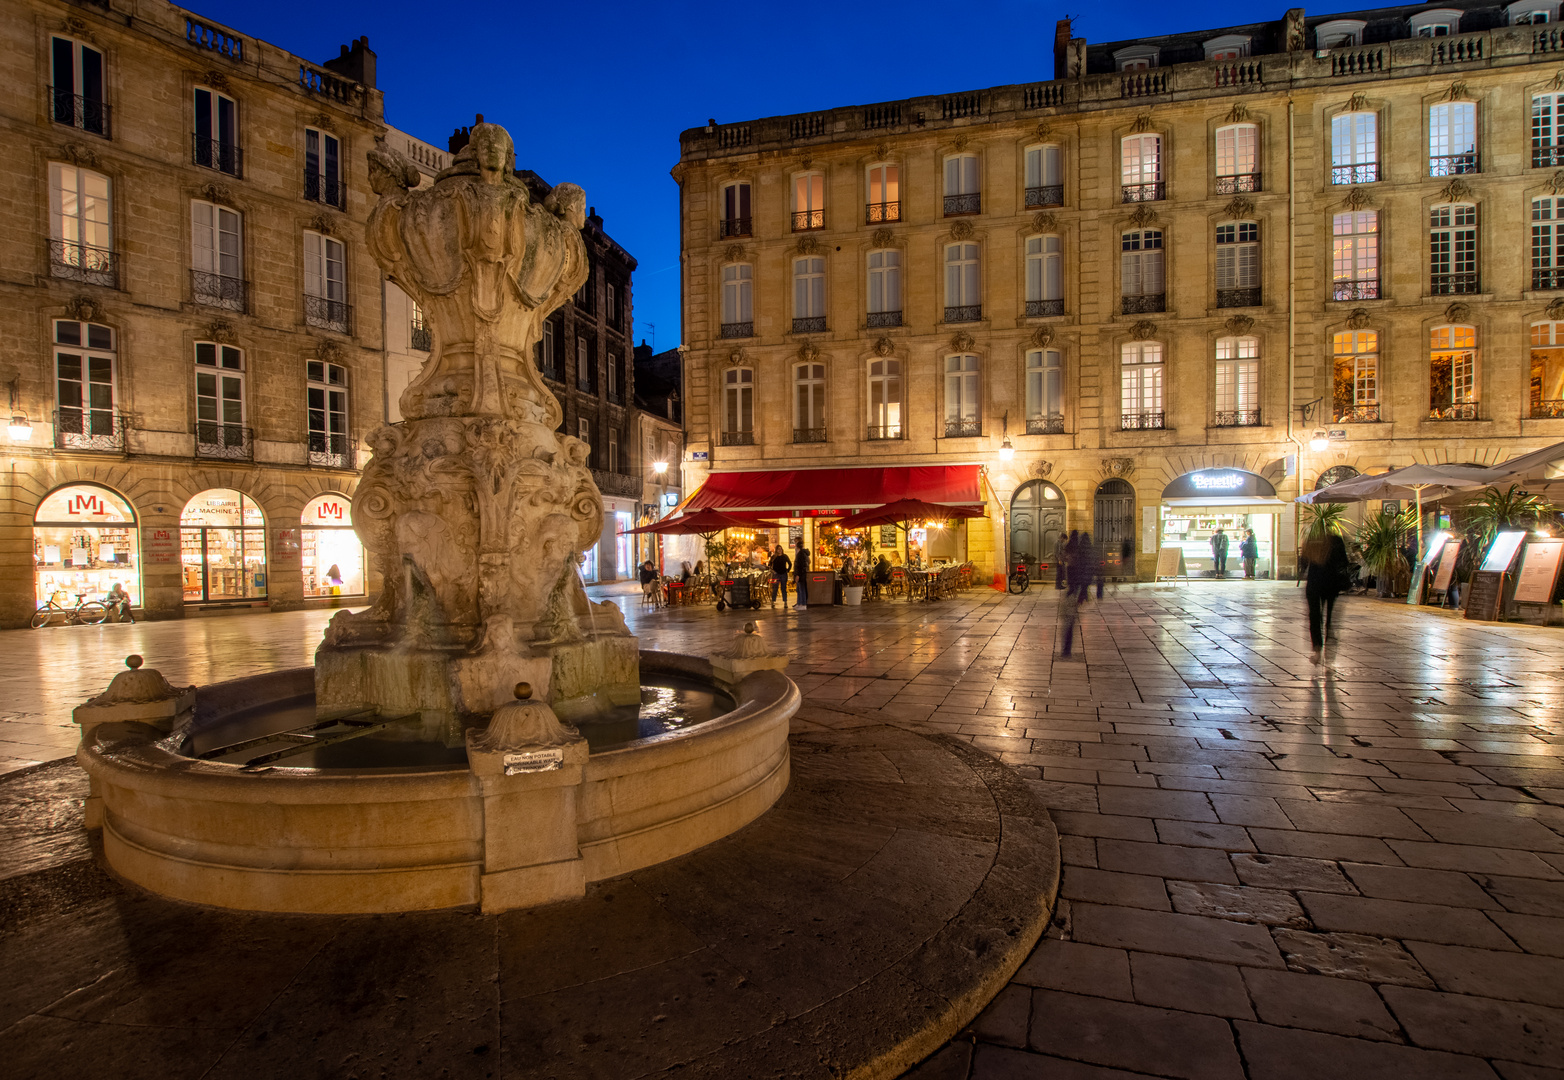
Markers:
(474, 508)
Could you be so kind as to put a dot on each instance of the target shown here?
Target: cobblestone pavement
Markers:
(1273, 867)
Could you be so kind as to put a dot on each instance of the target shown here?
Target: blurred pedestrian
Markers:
(1060, 554)
(1219, 552)
(801, 575)
(1249, 553)
(1327, 558)
(1079, 581)
(1127, 559)
(781, 566)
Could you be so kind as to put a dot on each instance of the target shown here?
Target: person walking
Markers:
(1249, 553)
(801, 576)
(1219, 552)
(1079, 580)
(1127, 559)
(1328, 566)
(1060, 556)
(781, 566)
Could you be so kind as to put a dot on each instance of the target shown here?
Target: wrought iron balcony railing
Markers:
(330, 450)
(1355, 290)
(617, 483)
(727, 227)
(1238, 418)
(1365, 172)
(100, 430)
(1460, 410)
(738, 329)
(808, 434)
(325, 189)
(584, 384)
(884, 431)
(876, 213)
(213, 154)
(1048, 424)
(1547, 410)
(1233, 185)
(884, 318)
(228, 442)
(738, 438)
(1143, 421)
(1046, 195)
(963, 429)
(83, 262)
(1143, 305)
(1132, 193)
(83, 113)
(553, 374)
(1452, 164)
(1044, 308)
(964, 313)
(957, 205)
(813, 324)
(615, 398)
(1547, 157)
(1249, 296)
(422, 339)
(216, 290)
(1453, 284)
(328, 314)
(1549, 278)
(1357, 414)
(808, 220)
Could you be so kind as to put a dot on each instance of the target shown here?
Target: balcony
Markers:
(964, 313)
(325, 189)
(733, 227)
(617, 483)
(1235, 185)
(329, 451)
(1357, 414)
(1547, 410)
(1143, 421)
(421, 338)
(1452, 164)
(328, 314)
(1365, 172)
(215, 290)
(97, 430)
(1355, 290)
(882, 432)
(1238, 418)
(1453, 284)
(738, 329)
(813, 324)
(808, 220)
(1143, 305)
(1552, 278)
(960, 205)
(83, 262)
(809, 435)
(1249, 296)
(1047, 195)
(1460, 410)
(1042, 309)
(213, 154)
(877, 213)
(737, 438)
(884, 318)
(224, 442)
(83, 113)
(1547, 157)
(584, 384)
(1049, 424)
(963, 429)
(1133, 193)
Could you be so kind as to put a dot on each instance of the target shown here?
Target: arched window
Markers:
(809, 403)
(1238, 382)
(963, 188)
(963, 387)
(1140, 158)
(1547, 370)
(885, 288)
(1044, 392)
(738, 407)
(808, 295)
(81, 231)
(1237, 158)
(738, 313)
(1354, 148)
(808, 201)
(885, 399)
(963, 295)
(1142, 283)
(1044, 176)
(884, 194)
(330, 554)
(1547, 243)
(1238, 264)
(1141, 378)
(1355, 382)
(1452, 373)
(84, 541)
(1355, 255)
(1044, 276)
(221, 408)
(222, 543)
(736, 220)
(86, 391)
(1452, 138)
(1452, 249)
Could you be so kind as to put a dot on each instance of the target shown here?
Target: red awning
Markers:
(837, 489)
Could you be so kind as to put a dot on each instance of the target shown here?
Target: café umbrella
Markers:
(705, 524)
(1412, 481)
(903, 511)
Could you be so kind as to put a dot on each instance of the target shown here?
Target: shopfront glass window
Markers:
(329, 550)
(222, 541)
(84, 541)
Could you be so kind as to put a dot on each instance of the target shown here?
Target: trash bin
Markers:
(852, 595)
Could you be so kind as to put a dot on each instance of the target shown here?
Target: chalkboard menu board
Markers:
(1170, 562)
(795, 535)
(887, 536)
(1483, 595)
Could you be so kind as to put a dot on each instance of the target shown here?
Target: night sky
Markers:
(597, 94)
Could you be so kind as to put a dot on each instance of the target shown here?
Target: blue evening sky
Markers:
(597, 94)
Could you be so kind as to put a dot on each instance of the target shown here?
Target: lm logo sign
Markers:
(329, 511)
(86, 505)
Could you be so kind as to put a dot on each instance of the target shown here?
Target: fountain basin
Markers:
(393, 839)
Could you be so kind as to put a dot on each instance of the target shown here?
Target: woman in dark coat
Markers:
(1328, 566)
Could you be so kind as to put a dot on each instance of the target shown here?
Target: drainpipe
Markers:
(1292, 312)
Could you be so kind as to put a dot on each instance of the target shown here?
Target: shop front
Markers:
(222, 544)
(85, 541)
(1197, 505)
(330, 554)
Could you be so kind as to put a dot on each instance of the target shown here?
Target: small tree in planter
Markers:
(1379, 542)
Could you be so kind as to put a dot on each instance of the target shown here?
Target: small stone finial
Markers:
(138, 685)
(523, 691)
(522, 725)
(134, 661)
(747, 645)
(750, 628)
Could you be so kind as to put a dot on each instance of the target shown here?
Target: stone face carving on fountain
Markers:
(474, 508)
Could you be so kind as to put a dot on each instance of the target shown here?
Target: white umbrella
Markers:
(1411, 481)
(1517, 468)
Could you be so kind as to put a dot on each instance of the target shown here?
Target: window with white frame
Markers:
(885, 287)
(1237, 382)
(808, 201)
(323, 168)
(220, 399)
(884, 194)
(1238, 264)
(1044, 275)
(809, 403)
(1452, 249)
(963, 385)
(584, 433)
(1355, 255)
(885, 398)
(1354, 148)
(1452, 138)
(613, 450)
(1044, 176)
(215, 143)
(1547, 243)
(1140, 168)
(808, 295)
(1547, 370)
(1532, 12)
(963, 295)
(613, 379)
(1237, 158)
(611, 303)
(1140, 385)
(1452, 373)
(84, 370)
(548, 351)
(738, 406)
(1355, 362)
(963, 185)
(738, 314)
(326, 400)
(735, 211)
(81, 232)
(1142, 283)
(1435, 22)
(584, 379)
(1227, 47)
(76, 85)
(1044, 392)
(1339, 33)
(1137, 58)
(1547, 140)
(325, 282)
(216, 256)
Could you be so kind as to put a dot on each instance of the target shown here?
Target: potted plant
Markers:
(1379, 542)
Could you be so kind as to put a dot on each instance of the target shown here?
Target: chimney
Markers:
(458, 140)
(356, 63)
(1061, 48)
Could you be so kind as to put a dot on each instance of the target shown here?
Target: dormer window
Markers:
(1227, 47)
(1339, 33)
(1436, 22)
(1136, 58)
(1532, 12)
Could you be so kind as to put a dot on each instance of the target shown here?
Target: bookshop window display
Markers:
(222, 547)
(331, 555)
(85, 540)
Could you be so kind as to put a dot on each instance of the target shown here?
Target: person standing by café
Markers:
(801, 575)
(1219, 552)
(1127, 559)
(781, 566)
(1079, 579)
(1249, 553)
(1060, 554)
(1328, 566)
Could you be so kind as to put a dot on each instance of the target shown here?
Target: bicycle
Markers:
(85, 613)
(1020, 580)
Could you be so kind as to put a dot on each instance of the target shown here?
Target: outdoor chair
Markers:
(898, 585)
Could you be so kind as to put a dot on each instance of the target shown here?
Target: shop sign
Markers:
(84, 505)
(285, 541)
(160, 545)
(700, 455)
(1219, 482)
(328, 511)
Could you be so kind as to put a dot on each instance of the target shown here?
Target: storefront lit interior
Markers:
(330, 554)
(222, 545)
(85, 542)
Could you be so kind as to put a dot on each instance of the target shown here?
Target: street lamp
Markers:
(1006, 451)
(20, 428)
(660, 467)
(1319, 441)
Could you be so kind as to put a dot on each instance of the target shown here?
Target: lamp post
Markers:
(1006, 451)
(20, 428)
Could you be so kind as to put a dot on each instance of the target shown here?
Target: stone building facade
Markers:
(1165, 291)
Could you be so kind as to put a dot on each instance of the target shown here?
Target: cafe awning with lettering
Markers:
(815, 491)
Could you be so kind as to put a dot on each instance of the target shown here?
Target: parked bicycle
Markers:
(86, 612)
(1020, 580)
